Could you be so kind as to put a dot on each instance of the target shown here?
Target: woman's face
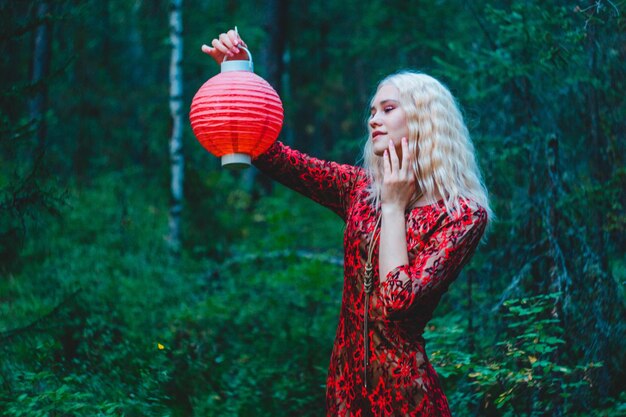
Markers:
(387, 120)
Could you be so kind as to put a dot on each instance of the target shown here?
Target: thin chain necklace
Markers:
(368, 286)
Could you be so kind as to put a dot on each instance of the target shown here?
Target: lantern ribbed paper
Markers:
(236, 112)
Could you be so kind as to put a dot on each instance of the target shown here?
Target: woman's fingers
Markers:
(386, 164)
(398, 180)
(226, 44)
(229, 40)
(393, 157)
(405, 156)
(220, 46)
(236, 40)
(232, 40)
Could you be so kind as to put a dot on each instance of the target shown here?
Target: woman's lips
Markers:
(376, 133)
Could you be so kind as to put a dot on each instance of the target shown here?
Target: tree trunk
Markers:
(599, 161)
(136, 48)
(597, 271)
(140, 78)
(40, 69)
(176, 142)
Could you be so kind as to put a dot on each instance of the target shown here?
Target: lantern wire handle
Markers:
(245, 49)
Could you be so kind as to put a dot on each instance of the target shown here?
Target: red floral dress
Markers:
(400, 378)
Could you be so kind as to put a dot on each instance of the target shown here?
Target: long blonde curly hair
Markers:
(442, 153)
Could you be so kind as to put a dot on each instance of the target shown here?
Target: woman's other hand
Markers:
(398, 179)
(226, 45)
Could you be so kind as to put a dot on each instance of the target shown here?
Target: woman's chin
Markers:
(378, 150)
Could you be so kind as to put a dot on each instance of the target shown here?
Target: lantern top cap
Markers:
(239, 65)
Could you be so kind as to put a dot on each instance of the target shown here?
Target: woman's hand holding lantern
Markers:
(226, 45)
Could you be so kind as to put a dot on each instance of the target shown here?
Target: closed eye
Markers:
(385, 110)
(387, 105)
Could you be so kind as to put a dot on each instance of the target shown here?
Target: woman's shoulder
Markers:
(469, 218)
(469, 206)
(467, 211)
(459, 210)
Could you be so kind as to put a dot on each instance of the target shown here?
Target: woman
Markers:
(414, 215)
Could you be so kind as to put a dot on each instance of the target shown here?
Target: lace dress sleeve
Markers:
(325, 182)
(434, 262)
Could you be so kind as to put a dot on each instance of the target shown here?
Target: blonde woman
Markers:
(414, 214)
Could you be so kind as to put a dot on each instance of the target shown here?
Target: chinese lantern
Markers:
(236, 115)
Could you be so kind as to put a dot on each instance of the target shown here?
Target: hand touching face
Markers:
(387, 120)
(399, 183)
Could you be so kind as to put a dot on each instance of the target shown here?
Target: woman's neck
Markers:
(422, 199)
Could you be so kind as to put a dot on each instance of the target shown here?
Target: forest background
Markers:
(138, 278)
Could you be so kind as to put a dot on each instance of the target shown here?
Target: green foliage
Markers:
(528, 375)
(524, 374)
(258, 343)
(108, 323)
(76, 337)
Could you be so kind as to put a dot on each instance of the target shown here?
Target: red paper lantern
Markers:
(236, 115)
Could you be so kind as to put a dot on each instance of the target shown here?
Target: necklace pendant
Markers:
(368, 279)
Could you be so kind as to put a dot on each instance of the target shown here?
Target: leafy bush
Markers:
(526, 373)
